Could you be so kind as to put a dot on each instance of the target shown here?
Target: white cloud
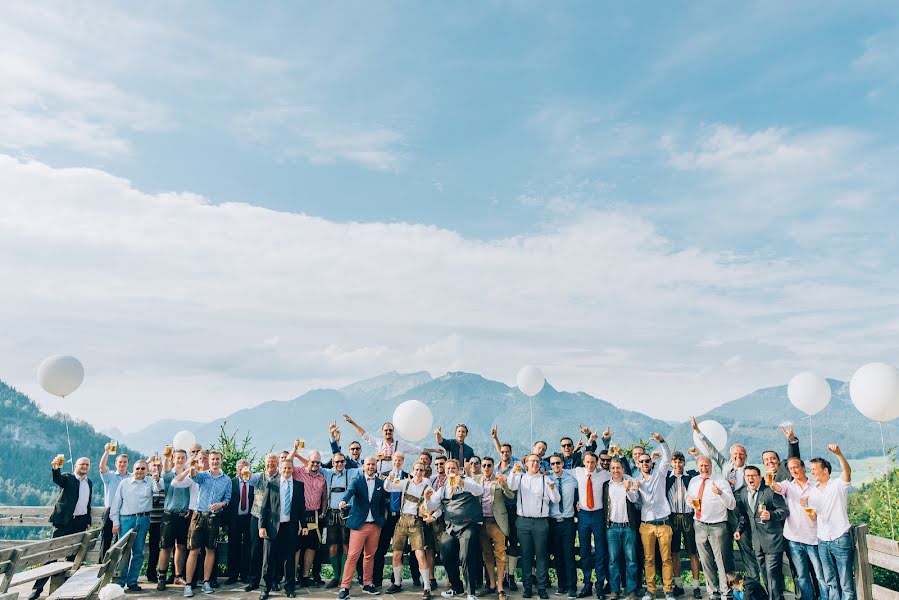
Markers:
(167, 297)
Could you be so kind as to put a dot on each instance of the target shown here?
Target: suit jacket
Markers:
(767, 537)
(498, 494)
(357, 495)
(270, 510)
(234, 504)
(63, 510)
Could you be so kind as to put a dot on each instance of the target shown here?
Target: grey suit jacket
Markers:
(767, 537)
(500, 513)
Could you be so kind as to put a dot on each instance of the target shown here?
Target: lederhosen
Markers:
(335, 522)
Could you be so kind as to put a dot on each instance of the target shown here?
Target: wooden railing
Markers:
(874, 551)
(38, 516)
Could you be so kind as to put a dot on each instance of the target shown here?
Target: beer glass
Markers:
(695, 503)
(245, 473)
(113, 446)
(60, 460)
(809, 511)
(167, 451)
(769, 477)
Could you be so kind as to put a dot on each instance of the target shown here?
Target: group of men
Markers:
(484, 518)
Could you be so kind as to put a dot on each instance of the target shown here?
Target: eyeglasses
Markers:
(339, 462)
(555, 464)
(568, 445)
(315, 462)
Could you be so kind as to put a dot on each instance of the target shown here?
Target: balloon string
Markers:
(531, 407)
(65, 418)
(886, 473)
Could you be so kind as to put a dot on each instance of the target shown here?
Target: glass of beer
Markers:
(167, 451)
(694, 502)
(245, 473)
(300, 444)
(193, 462)
(517, 469)
(60, 460)
(614, 449)
(113, 446)
(769, 477)
(809, 510)
(453, 480)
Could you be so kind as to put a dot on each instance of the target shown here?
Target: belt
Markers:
(143, 514)
(715, 523)
(490, 519)
(561, 519)
(534, 518)
(179, 513)
(657, 522)
(614, 524)
(394, 513)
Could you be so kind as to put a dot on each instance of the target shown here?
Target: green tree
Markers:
(877, 504)
(233, 450)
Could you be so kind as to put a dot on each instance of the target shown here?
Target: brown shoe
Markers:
(179, 581)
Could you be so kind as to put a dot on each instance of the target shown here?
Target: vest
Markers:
(462, 509)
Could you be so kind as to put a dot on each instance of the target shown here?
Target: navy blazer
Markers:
(64, 509)
(357, 496)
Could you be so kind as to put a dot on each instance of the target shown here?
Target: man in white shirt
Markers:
(711, 500)
(591, 522)
(654, 526)
(801, 531)
(835, 549)
(409, 527)
(387, 445)
(535, 493)
(623, 519)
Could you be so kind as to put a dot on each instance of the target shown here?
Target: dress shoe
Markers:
(291, 594)
(394, 589)
(543, 595)
(697, 593)
(250, 587)
(332, 584)
(527, 593)
(264, 595)
(231, 581)
(586, 591)
(133, 587)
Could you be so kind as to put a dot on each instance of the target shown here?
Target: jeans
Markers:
(141, 526)
(622, 543)
(592, 522)
(808, 566)
(836, 564)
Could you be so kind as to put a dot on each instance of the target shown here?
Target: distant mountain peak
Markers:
(387, 385)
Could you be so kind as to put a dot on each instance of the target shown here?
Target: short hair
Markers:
(123, 455)
(541, 442)
(270, 455)
(740, 446)
(84, 459)
(440, 457)
(557, 455)
(386, 423)
(180, 451)
(733, 579)
(463, 426)
(336, 454)
(370, 459)
(529, 455)
(801, 463)
(590, 453)
(286, 460)
(454, 461)
(678, 455)
(211, 452)
(764, 452)
(823, 463)
(615, 459)
(703, 458)
(490, 458)
(419, 463)
(423, 454)
(562, 439)
(243, 461)
(509, 446)
(752, 468)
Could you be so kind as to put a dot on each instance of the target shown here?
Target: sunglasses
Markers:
(488, 465)
(140, 468)
(644, 461)
(568, 445)
(388, 430)
(473, 462)
(357, 449)
(339, 462)
(315, 462)
(555, 464)
(605, 460)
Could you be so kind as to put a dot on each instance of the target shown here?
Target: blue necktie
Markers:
(287, 498)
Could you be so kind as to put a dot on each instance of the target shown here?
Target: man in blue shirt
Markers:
(175, 522)
(111, 481)
(131, 510)
(214, 495)
(562, 529)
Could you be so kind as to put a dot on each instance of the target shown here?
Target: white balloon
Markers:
(809, 392)
(530, 380)
(874, 389)
(60, 375)
(714, 432)
(184, 440)
(413, 420)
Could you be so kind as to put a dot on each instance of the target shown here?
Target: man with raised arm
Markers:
(214, 493)
(460, 501)
(536, 492)
(771, 459)
(654, 512)
(762, 513)
(410, 526)
(316, 495)
(111, 481)
(353, 456)
(712, 499)
(828, 499)
(456, 448)
(387, 445)
(505, 467)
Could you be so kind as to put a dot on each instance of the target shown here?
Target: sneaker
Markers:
(697, 593)
(160, 584)
(207, 588)
(543, 595)
(527, 593)
(677, 591)
(426, 595)
(133, 587)
(394, 589)
(371, 589)
(470, 597)
(344, 594)
(647, 596)
(450, 593)
(613, 596)
(669, 596)
(188, 591)
(586, 591)
(572, 594)
(513, 587)
(559, 592)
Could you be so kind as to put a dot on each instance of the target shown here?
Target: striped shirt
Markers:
(313, 486)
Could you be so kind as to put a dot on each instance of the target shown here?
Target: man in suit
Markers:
(72, 511)
(259, 481)
(683, 536)
(762, 513)
(496, 524)
(365, 522)
(281, 516)
(771, 459)
(239, 542)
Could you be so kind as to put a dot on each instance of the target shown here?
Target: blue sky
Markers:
(742, 157)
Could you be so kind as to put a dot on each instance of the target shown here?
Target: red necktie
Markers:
(243, 495)
(701, 489)
(589, 493)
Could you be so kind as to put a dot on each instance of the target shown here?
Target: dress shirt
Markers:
(468, 485)
(134, 496)
(566, 485)
(654, 501)
(534, 494)
(677, 496)
(333, 479)
(396, 500)
(799, 527)
(454, 449)
(370, 482)
(409, 507)
(830, 504)
(111, 481)
(177, 499)
(388, 449)
(84, 496)
(618, 498)
(286, 488)
(241, 484)
(487, 500)
(313, 486)
(714, 506)
(210, 489)
(597, 478)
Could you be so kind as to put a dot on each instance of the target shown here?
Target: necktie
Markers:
(287, 497)
(243, 495)
(589, 493)
(701, 490)
(561, 498)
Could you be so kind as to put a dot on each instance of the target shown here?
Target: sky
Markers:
(213, 205)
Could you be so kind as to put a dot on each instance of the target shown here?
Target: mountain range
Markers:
(480, 403)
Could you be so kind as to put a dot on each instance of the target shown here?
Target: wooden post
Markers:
(864, 578)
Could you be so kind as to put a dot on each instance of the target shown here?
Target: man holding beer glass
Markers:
(111, 481)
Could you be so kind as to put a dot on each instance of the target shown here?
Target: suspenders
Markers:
(542, 495)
